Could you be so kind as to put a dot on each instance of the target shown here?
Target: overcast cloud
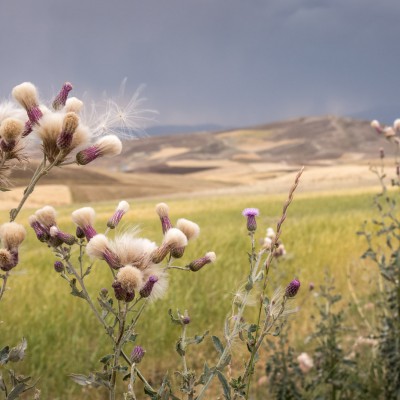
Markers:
(231, 62)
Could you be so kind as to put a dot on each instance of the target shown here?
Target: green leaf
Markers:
(225, 386)
(179, 347)
(217, 344)
(16, 391)
(106, 359)
(197, 339)
(4, 355)
(82, 380)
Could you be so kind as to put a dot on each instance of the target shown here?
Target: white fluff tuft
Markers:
(46, 216)
(109, 145)
(84, 217)
(189, 228)
(174, 238)
(97, 246)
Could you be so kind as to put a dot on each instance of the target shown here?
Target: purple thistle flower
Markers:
(251, 214)
(186, 320)
(42, 233)
(292, 288)
(148, 286)
(196, 265)
(121, 210)
(34, 114)
(137, 354)
(111, 259)
(62, 96)
(62, 236)
(58, 266)
(87, 155)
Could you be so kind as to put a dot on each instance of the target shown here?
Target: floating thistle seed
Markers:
(251, 214)
(292, 288)
(162, 211)
(137, 354)
(173, 239)
(7, 260)
(58, 266)
(108, 145)
(121, 210)
(41, 232)
(26, 95)
(63, 236)
(70, 123)
(148, 286)
(12, 235)
(196, 265)
(84, 219)
(61, 98)
(99, 247)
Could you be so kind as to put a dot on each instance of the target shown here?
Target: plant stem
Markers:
(3, 287)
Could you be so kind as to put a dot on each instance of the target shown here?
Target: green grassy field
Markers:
(319, 234)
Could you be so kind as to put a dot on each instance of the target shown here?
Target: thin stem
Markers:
(3, 287)
(267, 267)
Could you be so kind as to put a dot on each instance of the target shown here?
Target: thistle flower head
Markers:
(84, 219)
(108, 145)
(100, 247)
(121, 210)
(61, 98)
(62, 236)
(42, 233)
(58, 266)
(389, 132)
(377, 126)
(292, 289)
(121, 294)
(174, 238)
(147, 288)
(133, 250)
(137, 354)
(162, 211)
(46, 216)
(12, 235)
(189, 228)
(160, 287)
(11, 129)
(26, 95)
(396, 124)
(6, 260)
(130, 278)
(196, 265)
(251, 214)
(73, 105)
(69, 126)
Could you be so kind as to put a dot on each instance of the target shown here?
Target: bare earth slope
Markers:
(262, 158)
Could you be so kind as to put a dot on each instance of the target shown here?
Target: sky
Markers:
(227, 62)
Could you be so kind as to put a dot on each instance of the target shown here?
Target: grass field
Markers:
(319, 234)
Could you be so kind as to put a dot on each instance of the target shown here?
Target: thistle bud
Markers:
(292, 288)
(121, 294)
(137, 354)
(162, 211)
(41, 232)
(61, 98)
(196, 265)
(79, 233)
(99, 247)
(84, 219)
(377, 126)
(148, 286)
(58, 266)
(251, 214)
(121, 210)
(108, 145)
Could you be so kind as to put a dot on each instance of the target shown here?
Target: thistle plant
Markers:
(139, 273)
(60, 133)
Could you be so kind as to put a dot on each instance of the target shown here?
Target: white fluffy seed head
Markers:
(11, 129)
(109, 145)
(174, 238)
(73, 105)
(84, 217)
(133, 250)
(70, 122)
(130, 278)
(53, 231)
(10, 110)
(389, 132)
(396, 124)
(26, 95)
(97, 246)
(123, 206)
(375, 124)
(162, 210)
(12, 235)
(46, 216)
(189, 228)
(211, 256)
